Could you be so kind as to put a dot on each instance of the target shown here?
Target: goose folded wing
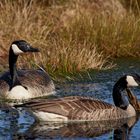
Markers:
(64, 106)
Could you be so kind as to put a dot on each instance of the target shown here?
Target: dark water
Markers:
(20, 125)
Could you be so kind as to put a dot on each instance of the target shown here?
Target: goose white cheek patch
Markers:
(131, 81)
(16, 50)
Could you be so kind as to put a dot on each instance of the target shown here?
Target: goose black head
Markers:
(129, 80)
(21, 46)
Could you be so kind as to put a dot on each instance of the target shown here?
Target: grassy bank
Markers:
(71, 37)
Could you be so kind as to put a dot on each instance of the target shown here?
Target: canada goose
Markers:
(133, 100)
(76, 108)
(23, 84)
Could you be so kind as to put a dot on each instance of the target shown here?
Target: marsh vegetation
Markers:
(73, 35)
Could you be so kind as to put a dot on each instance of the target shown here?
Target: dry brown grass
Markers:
(72, 37)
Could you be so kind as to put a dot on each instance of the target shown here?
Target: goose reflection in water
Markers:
(123, 132)
(78, 130)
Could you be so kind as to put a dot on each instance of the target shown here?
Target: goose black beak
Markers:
(137, 78)
(31, 49)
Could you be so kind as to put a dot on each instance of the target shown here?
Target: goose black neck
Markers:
(12, 66)
(118, 95)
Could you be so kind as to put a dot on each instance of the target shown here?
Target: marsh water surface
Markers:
(21, 125)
